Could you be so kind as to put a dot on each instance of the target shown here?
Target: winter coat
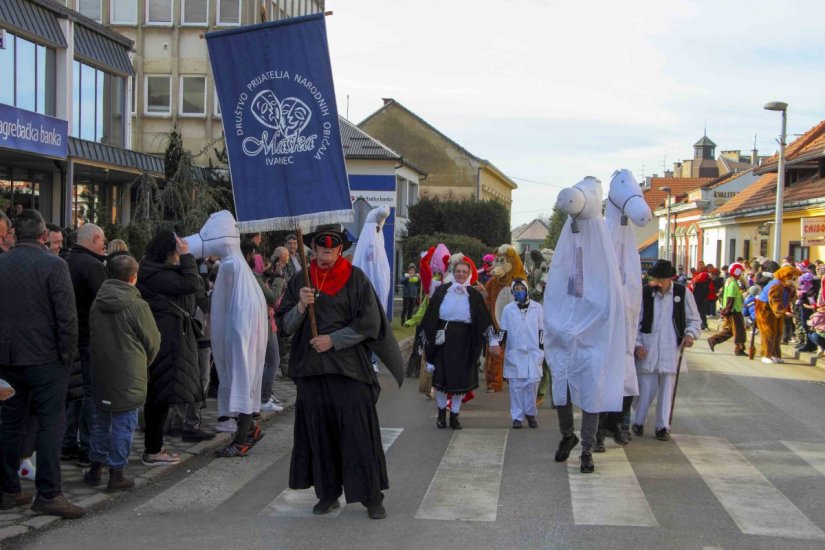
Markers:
(174, 375)
(39, 321)
(124, 339)
(88, 273)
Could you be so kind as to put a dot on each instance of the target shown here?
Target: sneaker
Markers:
(271, 406)
(767, 360)
(638, 430)
(777, 360)
(57, 506)
(227, 424)
(27, 469)
(586, 463)
(162, 458)
(277, 401)
(255, 434)
(233, 450)
(532, 422)
(516, 424)
(565, 446)
(663, 434)
(599, 446)
(626, 432)
(83, 459)
(11, 500)
(194, 436)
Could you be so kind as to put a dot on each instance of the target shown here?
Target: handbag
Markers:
(441, 335)
(198, 325)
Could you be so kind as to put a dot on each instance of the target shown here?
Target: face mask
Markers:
(520, 296)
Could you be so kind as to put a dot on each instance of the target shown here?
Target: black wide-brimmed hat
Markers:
(662, 269)
(328, 236)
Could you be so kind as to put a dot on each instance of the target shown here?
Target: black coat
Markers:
(39, 321)
(88, 273)
(174, 375)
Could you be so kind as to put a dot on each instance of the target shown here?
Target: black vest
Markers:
(678, 311)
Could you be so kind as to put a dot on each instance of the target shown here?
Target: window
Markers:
(158, 93)
(194, 12)
(134, 95)
(229, 13)
(746, 253)
(123, 12)
(217, 104)
(192, 95)
(276, 12)
(98, 105)
(90, 8)
(27, 71)
(158, 12)
(763, 248)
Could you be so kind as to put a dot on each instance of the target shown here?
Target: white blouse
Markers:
(455, 308)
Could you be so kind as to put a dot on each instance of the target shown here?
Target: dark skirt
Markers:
(337, 439)
(456, 368)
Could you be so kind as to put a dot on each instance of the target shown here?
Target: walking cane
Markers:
(676, 385)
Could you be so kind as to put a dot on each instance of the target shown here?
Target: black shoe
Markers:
(638, 430)
(92, 477)
(195, 436)
(441, 422)
(375, 507)
(83, 459)
(626, 433)
(711, 345)
(599, 446)
(325, 507)
(516, 424)
(454, 423)
(621, 437)
(663, 435)
(586, 462)
(532, 422)
(565, 446)
(69, 453)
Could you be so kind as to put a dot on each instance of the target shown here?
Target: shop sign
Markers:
(24, 130)
(813, 231)
(374, 198)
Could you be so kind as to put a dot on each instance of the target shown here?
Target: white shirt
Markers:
(522, 356)
(455, 308)
(661, 346)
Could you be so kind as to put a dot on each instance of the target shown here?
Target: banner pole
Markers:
(307, 282)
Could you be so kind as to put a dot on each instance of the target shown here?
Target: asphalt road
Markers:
(746, 469)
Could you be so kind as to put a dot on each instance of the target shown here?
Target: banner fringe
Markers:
(309, 221)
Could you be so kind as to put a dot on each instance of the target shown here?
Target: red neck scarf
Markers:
(330, 281)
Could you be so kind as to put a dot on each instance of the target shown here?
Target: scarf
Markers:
(330, 281)
(459, 288)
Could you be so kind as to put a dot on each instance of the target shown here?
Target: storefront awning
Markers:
(99, 50)
(105, 155)
(32, 20)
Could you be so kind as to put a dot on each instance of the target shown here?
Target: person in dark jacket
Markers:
(37, 344)
(124, 340)
(88, 272)
(412, 289)
(169, 280)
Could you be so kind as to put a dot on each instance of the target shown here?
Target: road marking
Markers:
(298, 503)
(611, 495)
(812, 453)
(216, 482)
(467, 482)
(752, 501)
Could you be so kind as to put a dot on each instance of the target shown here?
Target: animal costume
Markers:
(506, 267)
(537, 277)
(371, 257)
(584, 319)
(238, 317)
(771, 306)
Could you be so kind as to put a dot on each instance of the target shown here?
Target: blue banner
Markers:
(24, 130)
(274, 83)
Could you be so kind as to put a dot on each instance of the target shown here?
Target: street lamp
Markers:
(667, 231)
(780, 179)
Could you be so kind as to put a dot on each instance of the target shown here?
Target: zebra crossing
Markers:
(466, 484)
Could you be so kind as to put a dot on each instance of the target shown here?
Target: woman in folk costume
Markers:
(584, 324)
(522, 327)
(625, 203)
(239, 331)
(455, 328)
(772, 306)
(370, 255)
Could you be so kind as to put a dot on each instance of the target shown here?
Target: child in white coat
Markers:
(522, 325)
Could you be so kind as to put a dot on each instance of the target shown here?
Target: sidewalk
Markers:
(20, 520)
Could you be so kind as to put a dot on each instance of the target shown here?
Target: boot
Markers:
(119, 482)
(92, 477)
(441, 422)
(599, 446)
(454, 423)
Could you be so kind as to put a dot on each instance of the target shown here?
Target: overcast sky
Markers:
(553, 91)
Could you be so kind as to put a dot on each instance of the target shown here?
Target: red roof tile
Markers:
(810, 141)
(762, 194)
(655, 197)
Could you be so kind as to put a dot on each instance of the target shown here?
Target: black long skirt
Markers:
(337, 439)
(456, 370)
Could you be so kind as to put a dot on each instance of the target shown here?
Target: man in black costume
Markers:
(337, 435)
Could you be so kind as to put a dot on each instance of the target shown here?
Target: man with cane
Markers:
(669, 323)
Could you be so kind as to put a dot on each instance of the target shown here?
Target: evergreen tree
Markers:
(556, 223)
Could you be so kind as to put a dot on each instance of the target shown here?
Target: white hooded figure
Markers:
(371, 256)
(626, 204)
(238, 317)
(583, 306)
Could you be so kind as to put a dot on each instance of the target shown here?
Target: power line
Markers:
(539, 182)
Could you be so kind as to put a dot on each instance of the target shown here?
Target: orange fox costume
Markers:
(771, 306)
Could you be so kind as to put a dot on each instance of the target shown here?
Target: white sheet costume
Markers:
(625, 203)
(523, 356)
(371, 256)
(583, 307)
(238, 317)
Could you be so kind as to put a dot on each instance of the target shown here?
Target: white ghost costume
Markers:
(238, 317)
(583, 306)
(371, 256)
(625, 204)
